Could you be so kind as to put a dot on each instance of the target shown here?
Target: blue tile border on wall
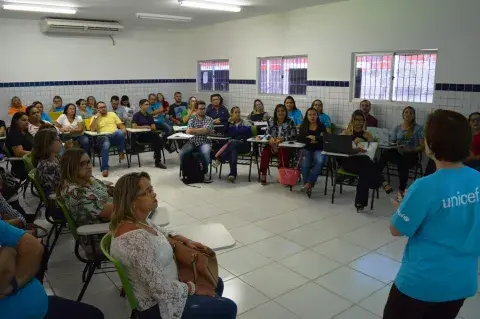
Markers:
(457, 87)
(242, 81)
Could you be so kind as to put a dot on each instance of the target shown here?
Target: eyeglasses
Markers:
(85, 164)
(202, 108)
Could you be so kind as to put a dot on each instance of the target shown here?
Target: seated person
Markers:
(280, 129)
(129, 108)
(474, 159)
(369, 176)
(162, 101)
(258, 114)
(9, 202)
(116, 108)
(21, 294)
(142, 119)
(191, 110)
(84, 110)
(217, 111)
(108, 122)
(19, 142)
(311, 133)
(410, 139)
(71, 125)
(240, 131)
(34, 121)
(16, 106)
(160, 114)
(10, 215)
(199, 125)
(57, 104)
(88, 200)
(92, 104)
(45, 158)
(324, 118)
(3, 128)
(365, 107)
(293, 113)
(176, 109)
(145, 252)
(43, 116)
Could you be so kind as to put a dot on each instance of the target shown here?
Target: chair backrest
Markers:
(33, 177)
(27, 161)
(54, 116)
(105, 246)
(71, 224)
(254, 131)
(87, 123)
(6, 150)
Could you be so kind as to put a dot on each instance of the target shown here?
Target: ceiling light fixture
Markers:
(43, 3)
(35, 8)
(210, 6)
(163, 17)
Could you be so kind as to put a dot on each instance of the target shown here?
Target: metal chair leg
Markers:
(133, 315)
(58, 232)
(250, 169)
(334, 188)
(220, 171)
(91, 270)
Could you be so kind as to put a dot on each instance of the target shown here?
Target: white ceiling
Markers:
(124, 11)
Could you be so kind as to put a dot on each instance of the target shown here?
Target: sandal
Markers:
(388, 189)
(308, 189)
(263, 179)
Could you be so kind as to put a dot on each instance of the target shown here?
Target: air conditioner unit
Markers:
(51, 25)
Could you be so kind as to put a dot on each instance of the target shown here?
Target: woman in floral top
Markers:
(88, 200)
(46, 147)
(280, 129)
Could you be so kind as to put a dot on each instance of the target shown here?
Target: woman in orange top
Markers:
(16, 106)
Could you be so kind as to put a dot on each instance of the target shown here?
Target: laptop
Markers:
(341, 144)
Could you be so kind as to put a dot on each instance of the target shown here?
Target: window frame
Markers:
(392, 53)
(199, 75)
(283, 57)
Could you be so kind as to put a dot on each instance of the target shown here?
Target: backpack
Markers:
(10, 185)
(192, 171)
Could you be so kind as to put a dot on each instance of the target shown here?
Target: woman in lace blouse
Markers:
(46, 147)
(146, 254)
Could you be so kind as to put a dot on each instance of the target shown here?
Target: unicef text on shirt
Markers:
(461, 199)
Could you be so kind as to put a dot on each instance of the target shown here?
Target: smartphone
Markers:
(291, 142)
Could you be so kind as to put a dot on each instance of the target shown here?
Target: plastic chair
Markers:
(141, 147)
(10, 158)
(94, 260)
(341, 176)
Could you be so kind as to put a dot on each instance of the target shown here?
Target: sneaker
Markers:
(231, 178)
(207, 179)
(160, 165)
(105, 173)
(216, 163)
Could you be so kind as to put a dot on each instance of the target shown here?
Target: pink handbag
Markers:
(289, 176)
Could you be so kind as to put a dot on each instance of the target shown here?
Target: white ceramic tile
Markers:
(377, 266)
(470, 307)
(310, 264)
(276, 247)
(376, 302)
(340, 250)
(269, 310)
(110, 302)
(273, 280)
(242, 260)
(228, 220)
(350, 284)
(203, 211)
(249, 234)
(180, 218)
(371, 236)
(313, 302)
(284, 222)
(245, 296)
(343, 223)
(356, 313)
(307, 236)
(70, 287)
(394, 249)
(225, 274)
(255, 214)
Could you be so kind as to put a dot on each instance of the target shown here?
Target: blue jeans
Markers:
(204, 307)
(165, 127)
(311, 176)
(117, 138)
(230, 154)
(204, 149)
(83, 141)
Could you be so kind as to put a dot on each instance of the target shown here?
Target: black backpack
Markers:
(192, 171)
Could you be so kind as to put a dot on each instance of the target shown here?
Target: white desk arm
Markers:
(95, 229)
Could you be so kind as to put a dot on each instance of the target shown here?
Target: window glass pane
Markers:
(414, 77)
(283, 75)
(372, 76)
(271, 76)
(214, 76)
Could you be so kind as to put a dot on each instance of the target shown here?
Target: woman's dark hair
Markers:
(37, 102)
(216, 95)
(56, 97)
(94, 100)
(317, 100)
(16, 117)
(305, 123)
(448, 136)
(369, 103)
(293, 100)
(79, 101)
(65, 110)
(29, 108)
(411, 128)
(275, 118)
(41, 144)
(125, 98)
(470, 116)
(142, 101)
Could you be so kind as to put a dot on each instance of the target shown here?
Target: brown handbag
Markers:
(197, 266)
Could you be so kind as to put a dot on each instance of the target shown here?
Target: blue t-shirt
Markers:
(441, 216)
(58, 109)
(398, 135)
(325, 120)
(161, 117)
(296, 116)
(29, 302)
(45, 117)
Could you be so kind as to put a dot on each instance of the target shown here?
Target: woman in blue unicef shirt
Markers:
(440, 214)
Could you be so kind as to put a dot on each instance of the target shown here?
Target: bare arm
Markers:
(107, 211)
(2, 131)
(79, 128)
(18, 151)
(93, 124)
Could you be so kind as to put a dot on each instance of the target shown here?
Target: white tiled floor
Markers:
(295, 257)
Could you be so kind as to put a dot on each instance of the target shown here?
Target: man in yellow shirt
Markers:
(108, 122)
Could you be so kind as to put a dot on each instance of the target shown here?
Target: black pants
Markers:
(369, 177)
(401, 306)
(30, 218)
(155, 140)
(61, 308)
(404, 162)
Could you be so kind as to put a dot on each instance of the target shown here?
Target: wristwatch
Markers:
(14, 284)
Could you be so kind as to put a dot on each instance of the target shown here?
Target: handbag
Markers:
(197, 266)
(221, 150)
(289, 176)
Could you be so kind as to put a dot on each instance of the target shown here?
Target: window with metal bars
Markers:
(213, 75)
(283, 75)
(395, 76)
